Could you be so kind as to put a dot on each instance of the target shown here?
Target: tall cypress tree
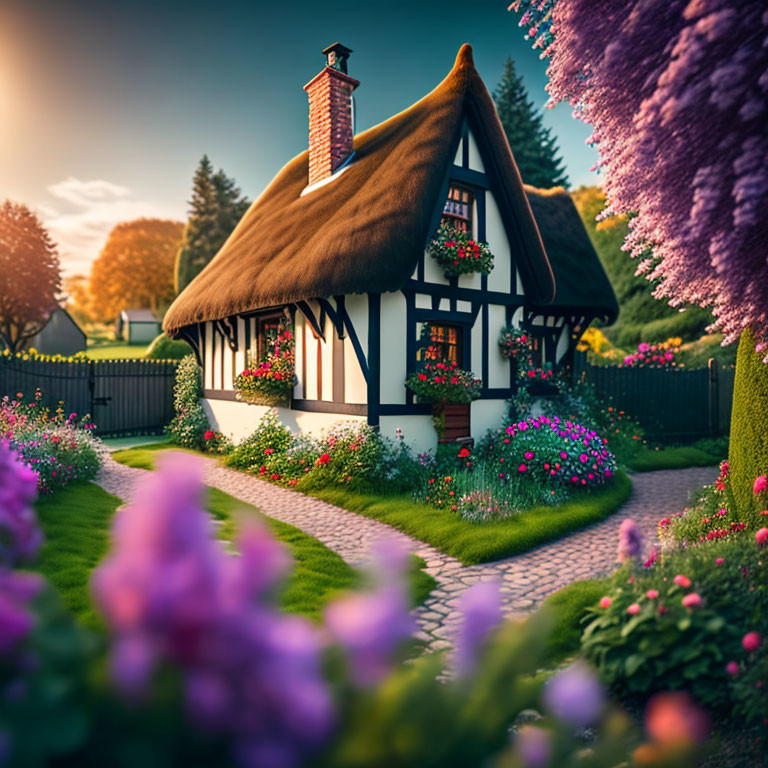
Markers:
(534, 147)
(215, 208)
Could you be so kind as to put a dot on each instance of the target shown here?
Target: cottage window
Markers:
(447, 343)
(267, 329)
(457, 211)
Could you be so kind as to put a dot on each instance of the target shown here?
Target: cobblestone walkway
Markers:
(526, 579)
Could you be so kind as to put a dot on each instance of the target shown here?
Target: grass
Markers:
(473, 543)
(705, 453)
(310, 573)
(566, 608)
(76, 524)
(116, 351)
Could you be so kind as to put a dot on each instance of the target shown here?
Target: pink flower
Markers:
(761, 536)
(652, 594)
(682, 581)
(522, 468)
(732, 668)
(761, 483)
(605, 602)
(630, 541)
(719, 561)
(751, 641)
(633, 609)
(692, 600)
(674, 718)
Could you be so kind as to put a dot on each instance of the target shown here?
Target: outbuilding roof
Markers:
(364, 230)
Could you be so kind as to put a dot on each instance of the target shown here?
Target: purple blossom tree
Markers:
(677, 94)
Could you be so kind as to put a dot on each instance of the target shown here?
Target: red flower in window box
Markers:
(453, 251)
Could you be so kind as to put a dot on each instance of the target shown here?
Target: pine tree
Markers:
(534, 147)
(217, 205)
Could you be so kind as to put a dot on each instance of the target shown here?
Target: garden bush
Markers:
(190, 427)
(748, 449)
(59, 447)
(165, 348)
(678, 622)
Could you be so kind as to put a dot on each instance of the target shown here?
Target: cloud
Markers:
(81, 214)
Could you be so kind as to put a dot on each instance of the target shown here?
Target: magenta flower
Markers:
(761, 536)
(732, 668)
(692, 600)
(760, 484)
(630, 541)
(575, 696)
(633, 609)
(751, 641)
(481, 609)
(682, 581)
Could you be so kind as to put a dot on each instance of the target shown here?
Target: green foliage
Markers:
(696, 354)
(165, 348)
(215, 209)
(532, 144)
(748, 450)
(663, 645)
(471, 543)
(642, 317)
(190, 424)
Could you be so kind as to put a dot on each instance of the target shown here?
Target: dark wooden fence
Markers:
(673, 405)
(122, 396)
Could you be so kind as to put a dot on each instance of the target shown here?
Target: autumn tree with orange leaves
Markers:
(135, 268)
(30, 275)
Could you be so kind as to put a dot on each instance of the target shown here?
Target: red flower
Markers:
(208, 435)
(463, 453)
(322, 459)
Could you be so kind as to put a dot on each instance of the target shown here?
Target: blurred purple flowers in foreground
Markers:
(20, 538)
(171, 593)
(630, 541)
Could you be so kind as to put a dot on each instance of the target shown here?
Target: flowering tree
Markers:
(676, 93)
(30, 279)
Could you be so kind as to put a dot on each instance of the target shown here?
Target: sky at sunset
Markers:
(107, 106)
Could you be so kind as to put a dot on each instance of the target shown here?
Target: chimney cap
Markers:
(336, 56)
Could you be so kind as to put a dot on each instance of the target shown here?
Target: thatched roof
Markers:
(364, 231)
(579, 276)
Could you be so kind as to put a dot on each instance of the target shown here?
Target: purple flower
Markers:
(172, 595)
(16, 620)
(372, 626)
(20, 537)
(481, 607)
(630, 541)
(575, 696)
(533, 746)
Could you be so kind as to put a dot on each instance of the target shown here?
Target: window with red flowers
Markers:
(457, 211)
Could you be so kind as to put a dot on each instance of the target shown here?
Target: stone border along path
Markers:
(526, 579)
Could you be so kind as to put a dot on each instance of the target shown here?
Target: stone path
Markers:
(526, 579)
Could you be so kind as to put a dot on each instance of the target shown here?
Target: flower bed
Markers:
(661, 355)
(59, 447)
(272, 380)
(458, 254)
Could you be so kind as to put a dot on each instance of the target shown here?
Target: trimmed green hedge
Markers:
(748, 455)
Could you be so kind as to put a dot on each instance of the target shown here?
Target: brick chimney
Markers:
(330, 114)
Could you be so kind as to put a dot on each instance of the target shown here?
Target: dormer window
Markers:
(457, 211)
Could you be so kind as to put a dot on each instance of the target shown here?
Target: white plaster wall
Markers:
(477, 346)
(229, 374)
(463, 306)
(298, 329)
(418, 431)
(393, 348)
(433, 273)
(562, 342)
(475, 162)
(208, 358)
(459, 153)
(485, 415)
(498, 367)
(238, 420)
(240, 354)
(312, 342)
(423, 301)
(355, 386)
(326, 350)
(499, 279)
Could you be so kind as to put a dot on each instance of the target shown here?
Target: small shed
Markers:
(138, 326)
(60, 336)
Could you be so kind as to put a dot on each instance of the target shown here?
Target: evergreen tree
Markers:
(217, 205)
(534, 147)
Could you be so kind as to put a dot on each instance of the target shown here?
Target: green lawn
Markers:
(677, 457)
(473, 543)
(116, 351)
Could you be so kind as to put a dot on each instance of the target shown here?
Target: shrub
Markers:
(59, 447)
(677, 623)
(661, 355)
(552, 452)
(748, 448)
(190, 427)
(165, 348)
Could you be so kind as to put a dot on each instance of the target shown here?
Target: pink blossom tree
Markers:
(677, 94)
